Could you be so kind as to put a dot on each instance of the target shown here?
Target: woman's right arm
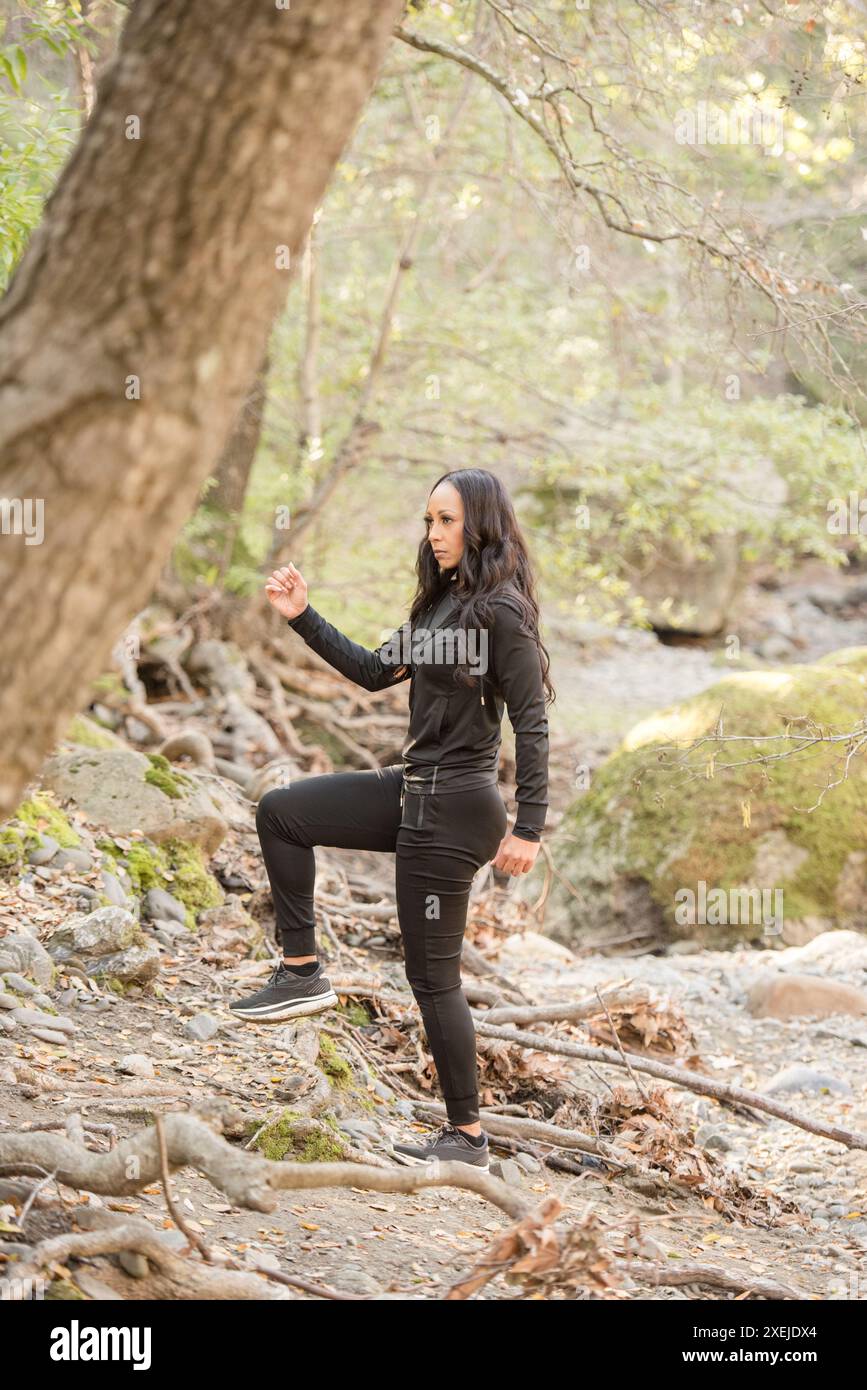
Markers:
(372, 669)
(287, 593)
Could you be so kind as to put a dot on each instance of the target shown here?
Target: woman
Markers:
(470, 645)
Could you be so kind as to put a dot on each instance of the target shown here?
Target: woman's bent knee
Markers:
(273, 805)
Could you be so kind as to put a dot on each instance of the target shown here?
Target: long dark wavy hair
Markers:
(494, 562)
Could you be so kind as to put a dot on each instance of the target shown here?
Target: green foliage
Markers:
(39, 120)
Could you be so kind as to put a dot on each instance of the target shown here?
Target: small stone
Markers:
(78, 859)
(46, 852)
(113, 888)
(137, 1064)
(799, 1078)
(263, 1259)
(18, 982)
(158, 905)
(357, 1280)
(33, 1018)
(383, 1091)
(202, 1027)
(509, 1171)
(9, 1001)
(707, 1136)
(48, 1035)
(7, 1023)
(134, 1263)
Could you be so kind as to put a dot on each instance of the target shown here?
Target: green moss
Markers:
(178, 867)
(41, 814)
(146, 865)
(669, 813)
(90, 734)
(356, 1013)
(336, 1068)
(161, 774)
(279, 1140)
(15, 845)
(191, 881)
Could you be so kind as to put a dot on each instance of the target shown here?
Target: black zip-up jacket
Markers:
(454, 733)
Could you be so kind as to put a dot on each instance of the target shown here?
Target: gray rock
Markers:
(46, 852)
(113, 889)
(23, 986)
(509, 1171)
(158, 905)
(354, 1279)
(707, 1136)
(9, 1001)
(366, 1128)
(800, 1078)
(134, 1263)
(137, 1064)
(49, 1035)
(7, 1023)
(77, 859)
(27, 954)
(33, 1018)
(202, 1027)
(110, 785)
(262, 1259)
(109, 942)
(67, 997)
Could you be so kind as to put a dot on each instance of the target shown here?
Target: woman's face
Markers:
(445, 522)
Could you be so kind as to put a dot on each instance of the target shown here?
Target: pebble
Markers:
(263, 1259)
(202, 1027)
(46, 851)
(137, 1064)
(134, 1263)
(509, 1171)
(49, 1035)
(799, 1078)
(20, 983)
(78, 859)
(158, 905)
(32, 1018)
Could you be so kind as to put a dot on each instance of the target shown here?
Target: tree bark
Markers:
(140, 312)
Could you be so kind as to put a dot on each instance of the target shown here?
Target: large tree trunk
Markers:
(140, 312)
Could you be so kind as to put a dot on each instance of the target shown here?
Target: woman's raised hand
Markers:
(287, 591)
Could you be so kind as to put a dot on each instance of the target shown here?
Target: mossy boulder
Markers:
(124, 790)
(175, 866)
(751, 817)
(297, 1138)
(109, 943)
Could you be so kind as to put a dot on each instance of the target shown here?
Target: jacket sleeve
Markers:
(373, 669)
(518, 674)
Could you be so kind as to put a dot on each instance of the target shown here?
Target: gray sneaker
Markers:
(448, 1144)
(286, 995)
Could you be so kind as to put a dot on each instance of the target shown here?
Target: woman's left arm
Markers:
(517, 670)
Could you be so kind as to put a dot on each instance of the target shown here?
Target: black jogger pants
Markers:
(440, 840)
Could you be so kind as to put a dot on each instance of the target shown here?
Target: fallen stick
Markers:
(572, 1011)
(691, 1081)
